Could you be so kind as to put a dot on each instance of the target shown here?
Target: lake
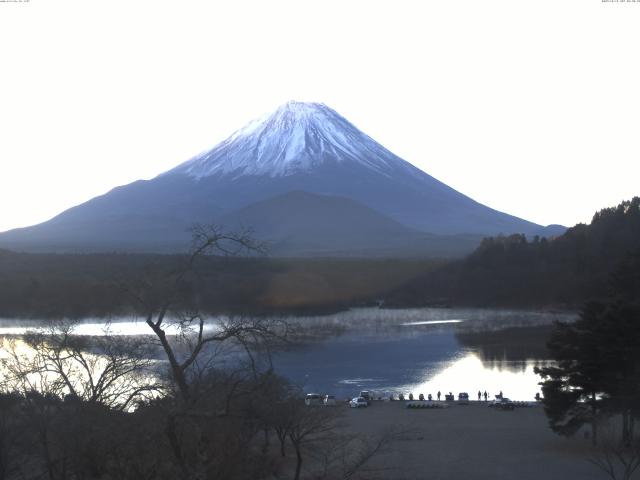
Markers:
(400, 350)
(424, 351)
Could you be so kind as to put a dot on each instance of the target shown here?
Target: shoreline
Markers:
(469, 442)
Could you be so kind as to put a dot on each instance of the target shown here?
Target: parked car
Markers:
(367, 395)
(358, 402)
(463, 398)
(330, 401)
(502, 404)
(313, 399)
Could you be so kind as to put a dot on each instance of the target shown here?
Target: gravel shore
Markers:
(471, 442)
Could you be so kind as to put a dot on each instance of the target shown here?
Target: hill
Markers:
(305, 224)
(514, 271)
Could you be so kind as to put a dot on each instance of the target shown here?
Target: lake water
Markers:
(399, 351)
(422, 351)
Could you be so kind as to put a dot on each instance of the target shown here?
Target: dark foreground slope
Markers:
(514, 271)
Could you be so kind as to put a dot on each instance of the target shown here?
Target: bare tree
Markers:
(189, 341)
(182, 330)
(617, 457)
(115, 371)
(348, 456)
(309, 425)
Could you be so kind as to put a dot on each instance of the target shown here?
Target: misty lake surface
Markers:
(423, 350)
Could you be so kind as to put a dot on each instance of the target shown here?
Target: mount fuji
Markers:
(304, 178)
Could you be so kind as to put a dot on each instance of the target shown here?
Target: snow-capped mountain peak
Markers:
(305, 178)
(296, 137)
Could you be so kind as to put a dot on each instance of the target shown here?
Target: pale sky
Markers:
(531, 107)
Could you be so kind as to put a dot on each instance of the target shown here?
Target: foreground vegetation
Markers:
(235, 426)
(195, 399)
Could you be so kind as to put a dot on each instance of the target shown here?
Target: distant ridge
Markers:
(305, 224)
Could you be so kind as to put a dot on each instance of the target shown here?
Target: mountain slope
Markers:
(300, 147)
(310, 147)
(302, 224)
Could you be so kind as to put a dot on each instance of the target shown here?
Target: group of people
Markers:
(486, 395)
(450, 396)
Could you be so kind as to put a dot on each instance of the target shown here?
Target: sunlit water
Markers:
(386, 351)
(90, 327)
(418, 362)
(470, 374)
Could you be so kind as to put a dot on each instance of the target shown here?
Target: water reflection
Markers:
(93, 327)
(399, 351)
(425, 350)
(520, 343)
(468, 373)
(372, 319)
(424, 362)
(431, 322)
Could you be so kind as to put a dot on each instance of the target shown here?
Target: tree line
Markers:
(516, 271)
(595, 379)
(89, 285)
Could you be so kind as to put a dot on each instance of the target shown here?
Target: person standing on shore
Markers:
(485, 395)
(479, 395)
(438, 395)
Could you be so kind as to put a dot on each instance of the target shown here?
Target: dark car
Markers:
(502, 404)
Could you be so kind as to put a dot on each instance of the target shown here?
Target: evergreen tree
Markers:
(598, 363)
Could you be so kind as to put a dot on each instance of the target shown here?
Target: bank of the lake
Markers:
(470, 442)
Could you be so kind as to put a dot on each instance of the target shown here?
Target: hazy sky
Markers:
(531, 107)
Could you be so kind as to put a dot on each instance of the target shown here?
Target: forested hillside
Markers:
(514, 271)
(76, 286)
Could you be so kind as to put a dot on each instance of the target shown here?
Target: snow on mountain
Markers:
(353, 196)
(295, 138)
